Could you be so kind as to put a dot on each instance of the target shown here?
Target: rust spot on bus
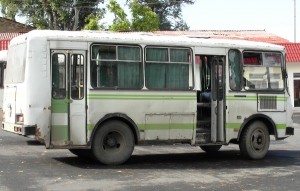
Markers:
(38, 135)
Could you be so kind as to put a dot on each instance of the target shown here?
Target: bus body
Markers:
(102, 93)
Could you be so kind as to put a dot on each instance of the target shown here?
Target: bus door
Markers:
(68, 117)
(218, 99)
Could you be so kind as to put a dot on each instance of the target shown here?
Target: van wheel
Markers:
(113, 143)
(211, 148)
(255, 140)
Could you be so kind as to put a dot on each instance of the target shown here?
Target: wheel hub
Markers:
(258, 141)
(111, 142)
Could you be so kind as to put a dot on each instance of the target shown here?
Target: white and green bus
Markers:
(103, 93)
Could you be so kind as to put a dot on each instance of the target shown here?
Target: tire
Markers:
(255, 140)
(113, 143)
(211, 148)
(83, 153)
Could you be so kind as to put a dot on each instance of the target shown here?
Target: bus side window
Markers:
(77, 76)
(58, 76)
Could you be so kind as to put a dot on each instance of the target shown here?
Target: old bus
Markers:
(103, 93)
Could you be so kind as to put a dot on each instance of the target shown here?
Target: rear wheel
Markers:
(255, 140)
(211, 148)
(113, 143)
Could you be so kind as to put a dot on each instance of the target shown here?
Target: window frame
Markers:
(140, 62)
(241, 65)
(190, 63)
(282, 66)
(65, 96)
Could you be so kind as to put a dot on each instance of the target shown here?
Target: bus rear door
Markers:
(68, 116)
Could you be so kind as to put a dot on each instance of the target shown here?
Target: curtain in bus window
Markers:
(129, 70)
(129, 53)
(177, 76)
(179, 55)
(129, 75)
(108, 74)
(155, 75)
(157, 54)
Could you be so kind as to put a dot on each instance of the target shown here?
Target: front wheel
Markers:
(255, 140)
(113, 143)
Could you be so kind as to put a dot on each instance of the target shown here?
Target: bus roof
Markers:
(143, 38)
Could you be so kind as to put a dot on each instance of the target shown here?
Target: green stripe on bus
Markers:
(238, 125)
(140, 97)
(59, 106)
(251, 98)
(233, 125)
(280, 126)
(90, 127)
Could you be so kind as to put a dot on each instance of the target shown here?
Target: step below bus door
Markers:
(68, 114)
(218, 99)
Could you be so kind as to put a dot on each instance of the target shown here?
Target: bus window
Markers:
(117, 67)
(58, 76)
(235, 70)
(77, 76)
(262, 70)
(2, 67)
(168, 68)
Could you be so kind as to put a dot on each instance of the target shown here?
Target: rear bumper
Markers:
(24, 130)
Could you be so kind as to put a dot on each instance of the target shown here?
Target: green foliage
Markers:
(143, 18)
(147, 15)
(9, 9)
(120, 23)
(56, 14)
(169, 13)
(92, 21)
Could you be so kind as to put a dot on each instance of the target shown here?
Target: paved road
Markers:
(27, 165)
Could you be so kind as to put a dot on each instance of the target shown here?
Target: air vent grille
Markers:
(268, 102)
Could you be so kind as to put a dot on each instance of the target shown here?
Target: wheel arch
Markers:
(259, 117)
(121, 117)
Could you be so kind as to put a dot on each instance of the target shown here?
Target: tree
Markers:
(120, 22)
(56, 14)
(8, 9)
(143, 19)
(92, 21)
(169, 13)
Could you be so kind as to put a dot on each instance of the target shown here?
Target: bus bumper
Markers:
(19, 129)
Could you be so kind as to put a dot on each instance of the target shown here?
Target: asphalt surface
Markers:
(27, 165)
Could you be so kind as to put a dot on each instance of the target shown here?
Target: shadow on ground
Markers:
(220, 160)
